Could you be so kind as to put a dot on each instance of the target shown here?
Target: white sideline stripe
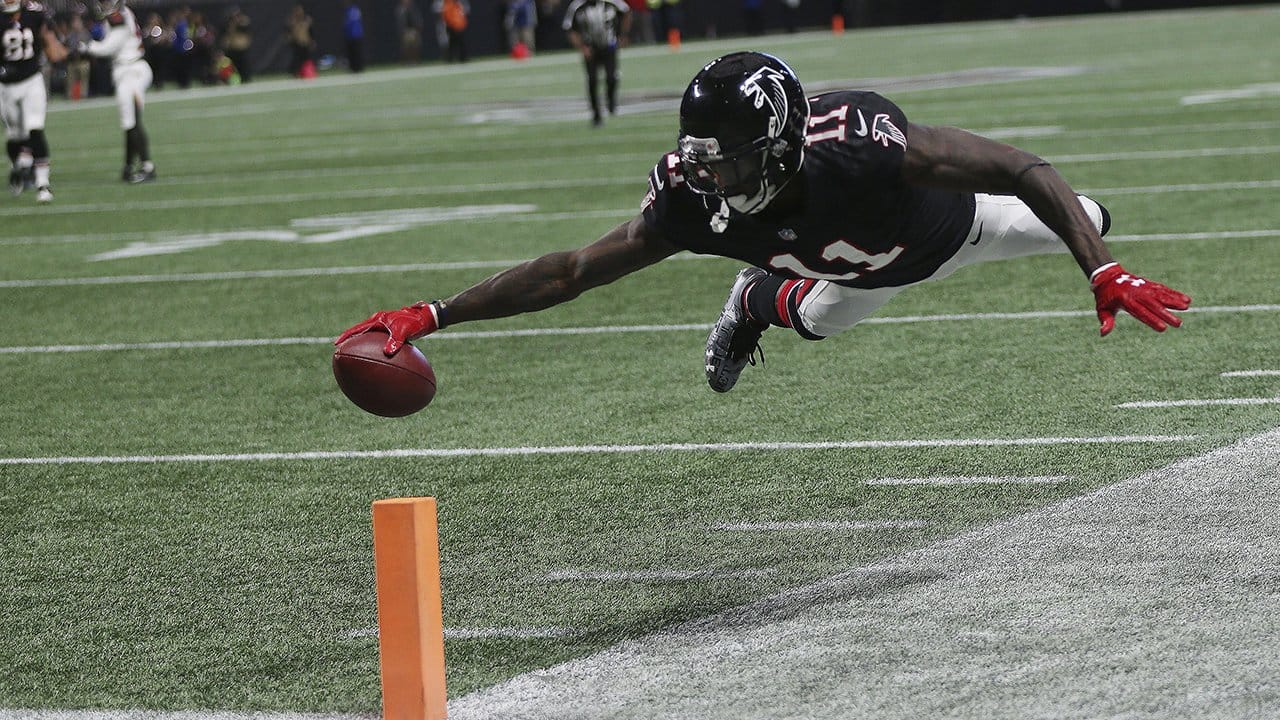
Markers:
(482, 188)
(596, 449)
(33, 714)
(1199, 403)
(1225, 235)
(597, 330)
(270, 342)
(654, 575)
(974, 480)
(1188, 187)
(513, 633)
(1251, 373)
(443, 266)
(346, 270)
(1168, 154)
(785, 526)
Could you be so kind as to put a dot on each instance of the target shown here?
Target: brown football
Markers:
(392, 386)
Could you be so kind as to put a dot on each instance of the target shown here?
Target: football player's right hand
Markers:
(407, 323)
(1149, 301)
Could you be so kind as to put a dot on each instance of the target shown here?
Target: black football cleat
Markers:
(16, 182)
(127, 173)
(735, 338)
(142, 176)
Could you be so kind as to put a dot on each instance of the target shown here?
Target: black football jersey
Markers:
(21, 44)
(861, 224)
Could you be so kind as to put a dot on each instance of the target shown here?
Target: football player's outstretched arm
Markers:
(958, 160)
(955, 159)
(534, 285)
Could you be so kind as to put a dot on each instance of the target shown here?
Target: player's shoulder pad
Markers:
(856, 116)
(31, 6)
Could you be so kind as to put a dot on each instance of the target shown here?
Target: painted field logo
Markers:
(321, 229)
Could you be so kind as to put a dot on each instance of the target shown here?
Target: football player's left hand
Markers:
(1149, 301)
(407, 323)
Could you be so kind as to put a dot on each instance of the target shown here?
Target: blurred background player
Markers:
(596, 28)
(132, 76)
(26, 35)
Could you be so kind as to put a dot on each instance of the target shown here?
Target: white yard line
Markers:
(595, 330)
(1199, 403)
(973, 480)
(597, 449)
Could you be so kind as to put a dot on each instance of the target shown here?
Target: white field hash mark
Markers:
(486, 633)
(594, 330)
(595, 449)
(1199, 403)
(1251, 373)
(973, 480)
(819, 525)
(663, 575)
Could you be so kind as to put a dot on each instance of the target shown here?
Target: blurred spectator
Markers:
(301, 45)
(789, 11)
(224, 70)
(452, 27)
(203, 44)
(753, 16)
(641, 23)
(157, 46)
(353, 33)
(180, 56)
(597, 28)
(409, 27)
(237, 38)
(521, 21)
(666, 18)
(547, 34)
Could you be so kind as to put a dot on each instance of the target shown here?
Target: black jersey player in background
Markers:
(837, 203)
(26, 37)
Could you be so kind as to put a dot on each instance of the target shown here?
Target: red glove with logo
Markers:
(407, 323)
(1144, 299)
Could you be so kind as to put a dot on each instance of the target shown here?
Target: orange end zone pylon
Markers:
(406, 554)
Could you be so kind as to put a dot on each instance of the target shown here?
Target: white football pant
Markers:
(132, 81)
(23, 105)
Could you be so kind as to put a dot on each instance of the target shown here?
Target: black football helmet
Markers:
(742, 126)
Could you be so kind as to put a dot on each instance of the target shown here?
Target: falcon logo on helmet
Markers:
(742, 125)
(765, 87)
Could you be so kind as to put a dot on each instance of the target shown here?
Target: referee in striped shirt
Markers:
(597, 28)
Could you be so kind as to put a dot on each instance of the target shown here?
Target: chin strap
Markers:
(720, 221)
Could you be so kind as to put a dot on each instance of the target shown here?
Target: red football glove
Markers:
(407, 323)
(1144, 299)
